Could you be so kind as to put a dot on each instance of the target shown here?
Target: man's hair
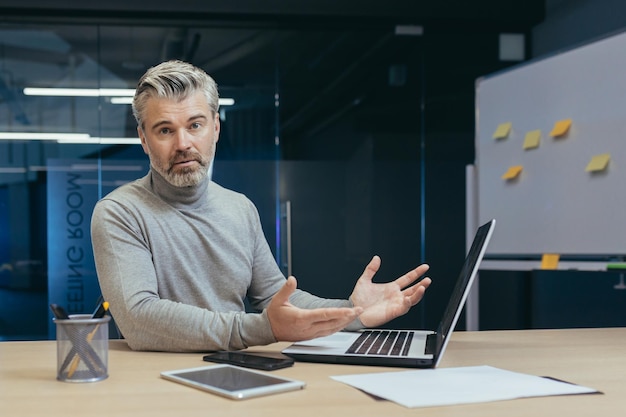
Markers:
(173, 80)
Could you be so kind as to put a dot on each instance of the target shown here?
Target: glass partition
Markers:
(37, 133)
(320, 128)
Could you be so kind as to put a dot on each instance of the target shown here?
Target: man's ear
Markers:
(142, 136)
(217, 127)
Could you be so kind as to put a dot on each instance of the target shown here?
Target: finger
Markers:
(424, 283)
(320, 322)
(321, 315)
(327, 332)
(411, 276)
(325, 321)
(416, 292)
(328, 321)
(282, 296)
(371, 268)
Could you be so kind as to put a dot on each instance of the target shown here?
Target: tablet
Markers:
(232, 381)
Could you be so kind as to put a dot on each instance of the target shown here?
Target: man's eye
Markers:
(195, 125)
(164, 131)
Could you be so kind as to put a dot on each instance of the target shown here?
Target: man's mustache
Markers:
(188, 156)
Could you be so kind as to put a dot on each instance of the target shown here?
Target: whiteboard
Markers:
(555, 205)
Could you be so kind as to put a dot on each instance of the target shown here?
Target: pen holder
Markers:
(82, 348)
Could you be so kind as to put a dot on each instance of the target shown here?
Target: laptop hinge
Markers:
(431, 344)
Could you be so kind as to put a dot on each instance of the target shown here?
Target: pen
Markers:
(59, 312)
(101, 310)
(98, 303)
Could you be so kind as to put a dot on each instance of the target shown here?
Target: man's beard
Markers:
(187, 176)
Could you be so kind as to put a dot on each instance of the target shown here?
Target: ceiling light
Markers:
(79, 92)
(129, 100)
(43, 136)
(91, 140)
(118, 141)
(118, 95)
(12, 170)
(66, 138)
(121, 100)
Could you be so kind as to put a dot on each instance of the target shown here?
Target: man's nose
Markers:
(183, 139)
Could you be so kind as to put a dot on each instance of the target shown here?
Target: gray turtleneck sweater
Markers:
(175, 264)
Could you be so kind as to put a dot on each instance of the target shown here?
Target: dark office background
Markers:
(360, 114)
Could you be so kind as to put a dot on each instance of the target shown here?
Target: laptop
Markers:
(405, 348)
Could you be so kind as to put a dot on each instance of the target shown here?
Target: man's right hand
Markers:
(292, 324)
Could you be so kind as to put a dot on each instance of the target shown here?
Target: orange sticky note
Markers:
(550, 261)
(561, 127)
(598, 162)
(502, 131)
(512, 172)
(532, 138)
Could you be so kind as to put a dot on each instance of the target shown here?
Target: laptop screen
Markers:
(463, 285)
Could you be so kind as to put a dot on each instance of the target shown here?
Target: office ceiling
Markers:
(319, 46)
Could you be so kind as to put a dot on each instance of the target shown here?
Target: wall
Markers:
(571, 22)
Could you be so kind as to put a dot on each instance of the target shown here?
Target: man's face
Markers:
(180, 137)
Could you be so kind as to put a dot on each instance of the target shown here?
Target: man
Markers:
(176, 254)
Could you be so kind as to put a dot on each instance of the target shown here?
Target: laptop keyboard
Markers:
(382, 342)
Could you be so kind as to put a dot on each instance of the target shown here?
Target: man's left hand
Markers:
(384, 302)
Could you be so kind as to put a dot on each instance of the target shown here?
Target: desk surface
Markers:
(592, 357)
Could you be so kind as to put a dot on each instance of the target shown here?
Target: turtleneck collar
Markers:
(179, 197)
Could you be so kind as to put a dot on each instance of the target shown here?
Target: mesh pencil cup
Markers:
(82, 348)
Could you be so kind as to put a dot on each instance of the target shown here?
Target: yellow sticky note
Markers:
(561, 127)
(531, 140)
(502, 131)
(550, 261)
(512, 172)
(598, 162)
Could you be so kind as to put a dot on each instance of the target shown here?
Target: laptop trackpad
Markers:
(418, 346)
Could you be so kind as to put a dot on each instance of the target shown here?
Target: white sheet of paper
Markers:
(464, 385)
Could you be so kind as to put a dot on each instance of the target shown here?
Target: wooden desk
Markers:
(590, 357)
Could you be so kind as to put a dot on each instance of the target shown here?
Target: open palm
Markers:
(386, 301)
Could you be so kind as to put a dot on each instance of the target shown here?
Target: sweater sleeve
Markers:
(128, 281)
